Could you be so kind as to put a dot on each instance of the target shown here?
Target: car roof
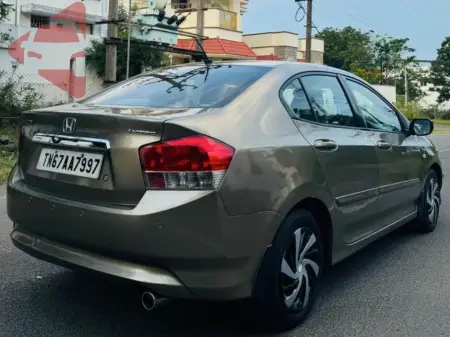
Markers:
(295, 67)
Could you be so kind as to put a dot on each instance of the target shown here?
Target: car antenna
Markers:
(206, 59)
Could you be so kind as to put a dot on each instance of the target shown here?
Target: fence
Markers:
(54, 93)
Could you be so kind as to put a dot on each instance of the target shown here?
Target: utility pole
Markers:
(129, 40)
(406, 86)
(308, 30)
(200, 21)
(111, 47)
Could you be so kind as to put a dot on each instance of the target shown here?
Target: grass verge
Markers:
(442, 121)
(6, 164)
(7, 151)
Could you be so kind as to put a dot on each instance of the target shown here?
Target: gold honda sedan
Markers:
(235, 180)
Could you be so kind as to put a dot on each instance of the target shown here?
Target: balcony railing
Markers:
(213, 4)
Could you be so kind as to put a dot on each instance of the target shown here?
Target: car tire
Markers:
(429, 204)
(281, 299)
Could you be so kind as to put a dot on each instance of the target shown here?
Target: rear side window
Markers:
(328, 100)
(295, 97)
(182, 87)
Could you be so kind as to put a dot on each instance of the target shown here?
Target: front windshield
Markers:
(182, 87)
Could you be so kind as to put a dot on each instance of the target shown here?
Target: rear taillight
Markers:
(194, 162)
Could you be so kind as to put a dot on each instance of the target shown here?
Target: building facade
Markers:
(40, 41)
(138, 4)
(223, 27)
(284, 45)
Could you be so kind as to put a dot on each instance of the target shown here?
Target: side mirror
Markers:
(421, 127)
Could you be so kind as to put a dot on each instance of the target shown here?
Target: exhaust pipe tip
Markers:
(148, 300)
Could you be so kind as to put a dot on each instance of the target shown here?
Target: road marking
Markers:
(444, 150)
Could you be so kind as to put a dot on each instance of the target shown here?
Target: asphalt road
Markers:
(398, 286)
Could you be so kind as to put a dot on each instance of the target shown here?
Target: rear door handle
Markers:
(325, 145)
(384, 145)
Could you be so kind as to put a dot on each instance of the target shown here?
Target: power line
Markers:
(359, 19)
(317, 29)
(300, 8)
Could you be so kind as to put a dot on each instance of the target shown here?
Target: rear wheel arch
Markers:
(318, 209)
(265, 300)
(322, 215)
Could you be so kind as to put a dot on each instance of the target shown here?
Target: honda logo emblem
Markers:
(69, 125)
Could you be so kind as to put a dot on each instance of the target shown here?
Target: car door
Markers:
(399, 156)
(324, 116)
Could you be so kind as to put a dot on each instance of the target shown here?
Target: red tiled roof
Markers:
(218, 46)
(301, 60)
(270, 57)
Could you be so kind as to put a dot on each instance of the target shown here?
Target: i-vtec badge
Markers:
(141, 132)
(69, 125)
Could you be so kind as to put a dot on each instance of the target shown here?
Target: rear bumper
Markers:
(160, 280)
(179, 244)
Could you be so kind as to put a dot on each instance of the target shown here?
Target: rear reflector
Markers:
(195, 162)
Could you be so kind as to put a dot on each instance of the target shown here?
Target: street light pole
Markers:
(129, 40)
(406, 86)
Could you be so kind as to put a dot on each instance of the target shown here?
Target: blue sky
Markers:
(426, 23)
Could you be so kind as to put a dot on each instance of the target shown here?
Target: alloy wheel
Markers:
(433, 201)
(300, 268)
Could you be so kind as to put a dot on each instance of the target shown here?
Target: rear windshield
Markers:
(182, 87)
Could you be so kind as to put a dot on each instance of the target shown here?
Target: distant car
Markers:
(230, 181)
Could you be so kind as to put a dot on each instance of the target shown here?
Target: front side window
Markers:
(378, 114)
(295, 97)
(328, 100)
(181, 87)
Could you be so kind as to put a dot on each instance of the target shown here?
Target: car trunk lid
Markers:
(90, 153)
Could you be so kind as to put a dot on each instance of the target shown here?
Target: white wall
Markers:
(316, 45)
(388, 91)
(55, 56)
(51, 94)
(215, 32)
(275, 39)
(93, 7)
(264, 51)
(430, 100)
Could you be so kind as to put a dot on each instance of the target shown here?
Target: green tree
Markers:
(377, 59)
(440, 72)
(15, 95)
(416, 79)
(390, 56)
(5, 11)
(348, 48)
(141, 55)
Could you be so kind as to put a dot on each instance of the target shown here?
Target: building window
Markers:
(89, 28)
(220, 4)
(40, 22)
(228, 20)
(181, 4)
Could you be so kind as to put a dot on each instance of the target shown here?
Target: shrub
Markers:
(16, 96)
(410, 111)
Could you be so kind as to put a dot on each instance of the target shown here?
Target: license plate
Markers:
(80, 164)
